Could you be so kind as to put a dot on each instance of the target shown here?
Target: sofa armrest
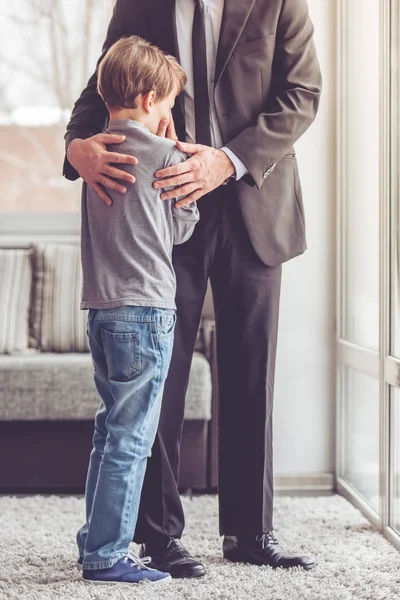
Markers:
(207, 331)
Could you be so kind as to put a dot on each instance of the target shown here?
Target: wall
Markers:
(304, 425)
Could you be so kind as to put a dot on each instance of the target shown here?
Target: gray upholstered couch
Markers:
(47, 404)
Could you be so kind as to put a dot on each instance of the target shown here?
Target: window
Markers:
(368, 337)
(361, 434)
(48, 50)
(361, 174)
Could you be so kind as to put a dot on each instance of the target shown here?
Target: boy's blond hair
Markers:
(133, 66)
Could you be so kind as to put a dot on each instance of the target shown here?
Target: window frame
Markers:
(380, 365)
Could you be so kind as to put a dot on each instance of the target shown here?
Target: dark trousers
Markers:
(246, 303)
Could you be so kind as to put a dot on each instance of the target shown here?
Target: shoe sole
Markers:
(191, 575)
(163, 581)
(232, 557)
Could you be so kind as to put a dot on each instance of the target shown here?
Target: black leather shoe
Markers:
(263, 549)
(173, 559)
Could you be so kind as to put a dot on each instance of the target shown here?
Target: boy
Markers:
(129, 288)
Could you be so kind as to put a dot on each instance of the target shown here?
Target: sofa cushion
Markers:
(56, 322)
(15, 290)
(37, 386)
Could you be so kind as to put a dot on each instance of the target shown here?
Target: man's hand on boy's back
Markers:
(92, 160)
(96, 165)
(203, 172)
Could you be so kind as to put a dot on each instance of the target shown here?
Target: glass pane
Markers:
(361, 434)
(48, 51)
(361, 197)
(395, 217)
(395, 471)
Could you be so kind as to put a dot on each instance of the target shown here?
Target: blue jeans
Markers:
(131, 350)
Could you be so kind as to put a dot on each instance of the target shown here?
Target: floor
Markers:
(37, 554)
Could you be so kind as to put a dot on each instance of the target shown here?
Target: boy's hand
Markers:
(202, 173)
(167, 129)
(93, 163)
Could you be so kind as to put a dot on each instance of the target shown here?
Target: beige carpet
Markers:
(37, 555)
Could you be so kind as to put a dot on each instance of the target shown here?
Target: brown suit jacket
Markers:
(267, 91)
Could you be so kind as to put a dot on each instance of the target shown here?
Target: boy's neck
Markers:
(132, 114)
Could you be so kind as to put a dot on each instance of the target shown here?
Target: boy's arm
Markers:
(184, 221)
(90, 114)
(184, 218)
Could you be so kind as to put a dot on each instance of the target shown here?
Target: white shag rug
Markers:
(37, 555)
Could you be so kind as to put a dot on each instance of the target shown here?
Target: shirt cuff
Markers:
(240, 167)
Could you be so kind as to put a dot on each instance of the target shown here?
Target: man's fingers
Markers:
(162, 128)
(109, 138)
(178, 180)
(179, 169)
(189, 148)
(101, 193)
(189, 199)
(126, 159)
(111, 184)
(118, 174)
(180, 191)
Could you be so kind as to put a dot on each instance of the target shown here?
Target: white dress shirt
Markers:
(184, 26)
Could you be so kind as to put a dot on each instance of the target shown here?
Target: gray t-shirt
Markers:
(127, 247)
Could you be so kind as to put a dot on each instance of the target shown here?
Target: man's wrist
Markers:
(240, 168)
(68, 150)
(230, 166)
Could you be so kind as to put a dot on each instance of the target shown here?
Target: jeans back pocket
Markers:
(166, 324)
(123, 356)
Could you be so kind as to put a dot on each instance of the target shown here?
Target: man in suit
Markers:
(253, 89)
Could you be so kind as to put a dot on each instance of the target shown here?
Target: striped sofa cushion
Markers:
(15, 289)
(56, 322)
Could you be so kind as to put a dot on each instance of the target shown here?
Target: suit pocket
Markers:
(123, 356)
(254, 46)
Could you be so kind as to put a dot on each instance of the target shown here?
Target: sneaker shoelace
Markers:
(140, 563)
(267, 539)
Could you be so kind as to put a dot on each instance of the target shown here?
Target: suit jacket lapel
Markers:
(236, 13)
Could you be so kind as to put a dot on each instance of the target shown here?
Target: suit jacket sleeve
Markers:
(293, 100)
(90, 114)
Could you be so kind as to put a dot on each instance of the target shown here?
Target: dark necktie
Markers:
(201, 97)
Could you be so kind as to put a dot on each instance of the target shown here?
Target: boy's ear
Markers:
(148, 101)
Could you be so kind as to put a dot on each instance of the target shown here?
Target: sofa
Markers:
(47, 394)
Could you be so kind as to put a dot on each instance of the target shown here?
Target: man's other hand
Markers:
(202, 173)
(96, 165)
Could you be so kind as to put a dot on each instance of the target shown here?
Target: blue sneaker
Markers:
(128, 570)
(145, 560)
